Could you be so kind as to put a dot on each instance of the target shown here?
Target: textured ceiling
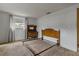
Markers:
(32, 9)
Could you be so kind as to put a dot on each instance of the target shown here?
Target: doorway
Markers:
(78, 28)
(18, 26)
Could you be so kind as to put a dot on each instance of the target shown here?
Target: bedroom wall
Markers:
(32, 21)
(65, 21)
(4, 26)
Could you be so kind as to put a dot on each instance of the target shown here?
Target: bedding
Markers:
(37, 46)
(50, 40)
(54, 51)
(14, 49)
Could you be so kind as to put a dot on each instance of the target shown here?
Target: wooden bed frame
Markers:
(51, 33)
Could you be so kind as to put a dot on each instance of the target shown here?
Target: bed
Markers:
(50, 37)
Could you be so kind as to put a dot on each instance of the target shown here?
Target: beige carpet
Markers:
(14, 49)
(58, 51)
(17, 49)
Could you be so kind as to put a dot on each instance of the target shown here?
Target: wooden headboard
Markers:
(51, 33)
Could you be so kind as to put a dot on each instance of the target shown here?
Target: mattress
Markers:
(37, 46)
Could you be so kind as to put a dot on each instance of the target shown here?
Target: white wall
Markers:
(32, 21)
(4, 27)
(65, 21)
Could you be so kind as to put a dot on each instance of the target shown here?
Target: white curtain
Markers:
(11, 36)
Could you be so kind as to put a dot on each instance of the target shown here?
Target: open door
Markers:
(18, 26)
(78, 27)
